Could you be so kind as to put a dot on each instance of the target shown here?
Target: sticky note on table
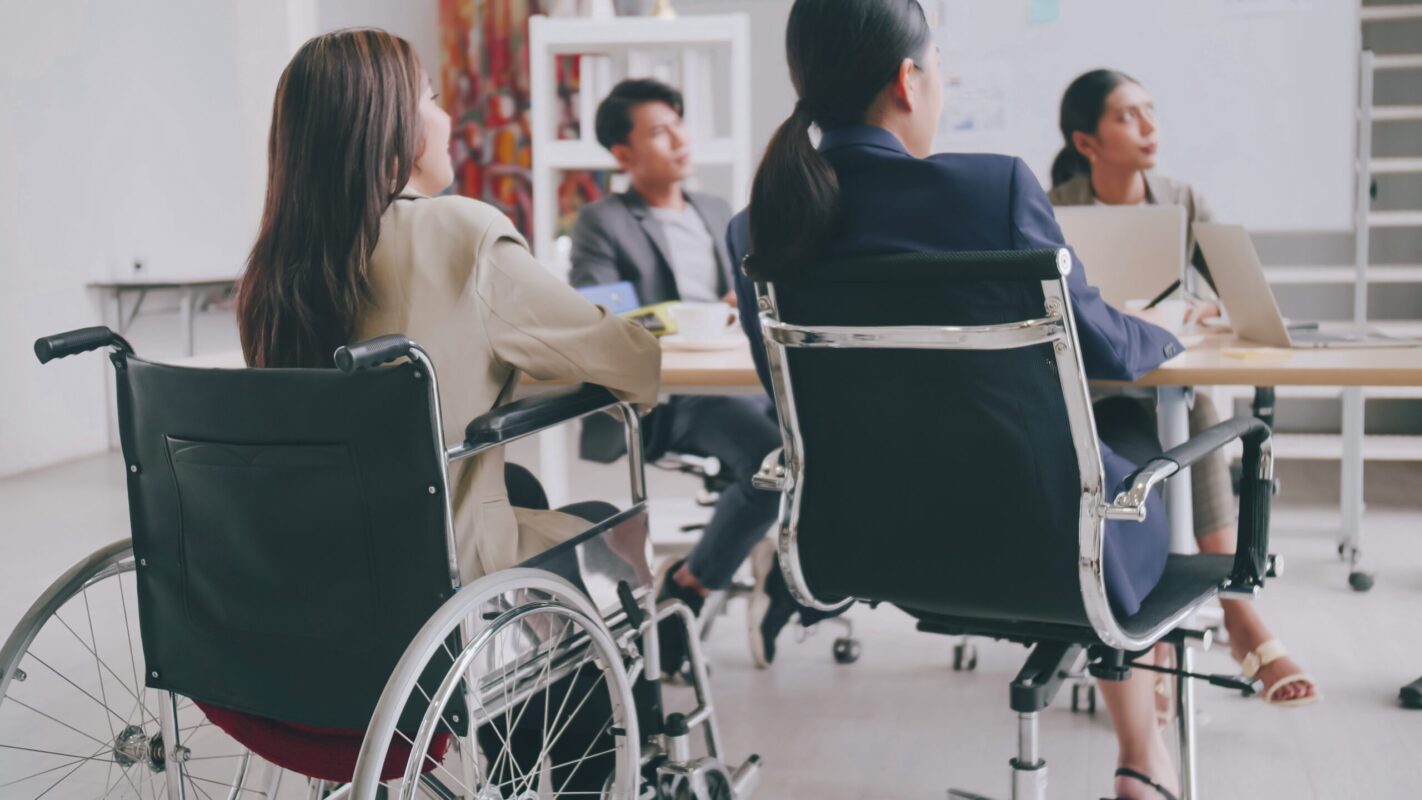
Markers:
(1258, 353)
(1043, 11)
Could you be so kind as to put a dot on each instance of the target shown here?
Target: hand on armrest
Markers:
(532, 414)
(1251, 562)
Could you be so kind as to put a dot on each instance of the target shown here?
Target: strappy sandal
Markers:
(1266, 654)
(1127, 772)
(1165, 689)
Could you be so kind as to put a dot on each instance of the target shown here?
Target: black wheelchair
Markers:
(290, 600)
(940, 454)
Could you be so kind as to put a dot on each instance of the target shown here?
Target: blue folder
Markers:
(617, 297)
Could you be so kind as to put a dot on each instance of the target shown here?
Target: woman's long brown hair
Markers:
(345, 131)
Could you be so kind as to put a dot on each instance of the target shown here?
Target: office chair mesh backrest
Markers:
(941, 480)
(288, 540)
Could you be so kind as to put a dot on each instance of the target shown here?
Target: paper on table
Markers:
(1258, 353)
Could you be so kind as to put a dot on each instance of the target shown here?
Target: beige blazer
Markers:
(454, 275)
(1160, 190)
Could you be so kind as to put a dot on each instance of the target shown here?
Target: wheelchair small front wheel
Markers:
(846, 650)
(514, 689)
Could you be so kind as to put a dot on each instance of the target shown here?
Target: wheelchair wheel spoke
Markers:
(56, 720)
(578, 763)
(99, 665)
(435, 765)
(138, 687)
(62, 779)
(73, 760)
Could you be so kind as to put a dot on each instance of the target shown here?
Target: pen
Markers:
(1172, 287)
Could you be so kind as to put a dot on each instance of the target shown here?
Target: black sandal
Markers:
(1127, 772)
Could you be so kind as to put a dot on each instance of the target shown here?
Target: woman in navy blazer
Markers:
(867, 75)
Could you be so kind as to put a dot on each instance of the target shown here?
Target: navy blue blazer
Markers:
(896, 203)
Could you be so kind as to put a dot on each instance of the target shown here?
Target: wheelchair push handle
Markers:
(82, 340)
(372, 352)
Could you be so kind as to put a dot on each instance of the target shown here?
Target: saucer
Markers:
(676, 341)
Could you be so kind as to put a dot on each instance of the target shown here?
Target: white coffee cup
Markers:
(1171, 313)
(703, 322)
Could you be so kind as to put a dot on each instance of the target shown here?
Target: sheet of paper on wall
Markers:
(976, 97)
(1041, 12)
(1249, 8)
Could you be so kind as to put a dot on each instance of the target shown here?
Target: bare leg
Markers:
(1247, 630)
(1131, 704)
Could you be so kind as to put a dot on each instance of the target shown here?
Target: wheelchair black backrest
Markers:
(936, 466)
(289, 527)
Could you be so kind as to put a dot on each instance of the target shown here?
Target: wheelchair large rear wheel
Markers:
(76, 719)
(545, 688)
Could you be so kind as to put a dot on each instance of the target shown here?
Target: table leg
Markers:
(553, 466)
(1350, 490)
(186, 306)
(1173, 416)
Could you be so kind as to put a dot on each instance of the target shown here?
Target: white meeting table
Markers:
(1219, 360)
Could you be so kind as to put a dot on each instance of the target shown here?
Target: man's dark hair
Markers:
(614, 115)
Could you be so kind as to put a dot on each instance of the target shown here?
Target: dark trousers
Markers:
(738, 432)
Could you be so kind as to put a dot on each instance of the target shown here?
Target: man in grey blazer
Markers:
(669, 243)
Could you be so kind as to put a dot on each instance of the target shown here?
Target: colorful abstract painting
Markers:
(485, 88)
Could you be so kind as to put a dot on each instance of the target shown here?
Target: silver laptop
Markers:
(1253, 313)
(1130, 252)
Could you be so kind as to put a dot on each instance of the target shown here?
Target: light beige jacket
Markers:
(454, 275)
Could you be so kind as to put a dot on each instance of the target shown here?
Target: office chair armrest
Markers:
(1252, 562)
(533, 414)
(771, 476)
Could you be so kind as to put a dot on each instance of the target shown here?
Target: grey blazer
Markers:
(618, 239)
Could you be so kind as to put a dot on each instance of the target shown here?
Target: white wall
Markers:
(127, 131)
(415, 20)
(772, 95)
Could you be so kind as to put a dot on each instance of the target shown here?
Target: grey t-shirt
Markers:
(693, 254)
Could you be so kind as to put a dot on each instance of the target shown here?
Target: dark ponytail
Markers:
(1083, 104)
(842, 53)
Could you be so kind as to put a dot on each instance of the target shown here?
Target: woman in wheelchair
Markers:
(355, 243)
(867, 75)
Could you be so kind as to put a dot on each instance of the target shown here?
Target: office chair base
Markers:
(965, 656)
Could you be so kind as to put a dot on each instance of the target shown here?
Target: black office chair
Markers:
(907, 479)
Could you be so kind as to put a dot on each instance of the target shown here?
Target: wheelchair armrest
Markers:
(1252, 562)
(771, 475)
(533, 414)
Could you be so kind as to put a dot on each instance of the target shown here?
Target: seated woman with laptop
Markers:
(1108, 122)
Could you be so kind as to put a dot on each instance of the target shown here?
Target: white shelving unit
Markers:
(1362, 274)
(621, 41)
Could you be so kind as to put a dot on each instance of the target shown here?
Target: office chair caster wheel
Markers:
(1088, 703)
(846, 650)
(965, 657)
(1360, 581)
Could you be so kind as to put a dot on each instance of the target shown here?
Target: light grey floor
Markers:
(901, 724)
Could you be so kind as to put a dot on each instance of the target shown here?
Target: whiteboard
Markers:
(1256, 99)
